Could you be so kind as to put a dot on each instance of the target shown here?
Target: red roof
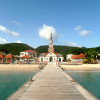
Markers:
(26, 56)
(1, 56)
(29, 51)
(9, 56)
(56, 53)
(78, 56)
(45, 54)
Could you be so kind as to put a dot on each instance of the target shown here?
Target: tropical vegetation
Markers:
(16, 48)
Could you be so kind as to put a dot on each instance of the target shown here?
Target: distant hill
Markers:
(68, 50)
(59, 49)
(14, 48)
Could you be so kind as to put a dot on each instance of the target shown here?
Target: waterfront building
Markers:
(68, 56)
(30, 53)
(77, 58)
(51, 56)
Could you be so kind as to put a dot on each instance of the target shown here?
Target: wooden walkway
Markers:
(52, 84)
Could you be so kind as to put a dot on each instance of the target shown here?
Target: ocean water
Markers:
(10, 81)
(88, 79)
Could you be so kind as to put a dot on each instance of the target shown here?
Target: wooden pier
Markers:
(52, 84)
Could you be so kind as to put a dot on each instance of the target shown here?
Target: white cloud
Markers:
(2, 41)
(84, 33)
(45, 32)
(18, 41)
(68, 43)
(16, 22)
(78, 28)
(9, 32)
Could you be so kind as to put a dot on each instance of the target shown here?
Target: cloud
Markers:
(18, 41)
(81, 32)
(84, 33)
(68, 43)
(9, 32)
(2, 41)
(78, 28)
(45, 32)
(16, 22)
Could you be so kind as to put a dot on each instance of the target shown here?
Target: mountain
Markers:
(69, 50)
(59, 49)
(14, 48)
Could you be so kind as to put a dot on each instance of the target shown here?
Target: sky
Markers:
(71, 22)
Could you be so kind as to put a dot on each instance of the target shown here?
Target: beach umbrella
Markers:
(10, 56)
(26, 56)
(1, 56)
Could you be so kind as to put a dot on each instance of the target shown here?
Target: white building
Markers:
(30, 53)
(68, 56)
(51, 56)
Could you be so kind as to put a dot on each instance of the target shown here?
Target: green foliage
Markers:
(42, 49)
(64, 50)
(60, 49)
(85, 61)
(14, 48)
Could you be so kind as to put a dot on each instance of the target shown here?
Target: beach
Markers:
(23, 67)
(82, 67)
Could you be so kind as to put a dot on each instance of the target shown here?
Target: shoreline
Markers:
(83, 67)
(20, 67)
(29, 67)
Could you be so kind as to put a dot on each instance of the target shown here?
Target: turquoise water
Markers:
(88, 79)
(10, 81)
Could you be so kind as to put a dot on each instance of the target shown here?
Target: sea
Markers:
(10, 81)
(88, 79)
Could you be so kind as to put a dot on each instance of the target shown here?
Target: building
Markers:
(77, 58)
(30, 53)
(68, 56)
(51, 56)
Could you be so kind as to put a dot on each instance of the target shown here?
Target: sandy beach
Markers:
(19, 67)
(83, 67)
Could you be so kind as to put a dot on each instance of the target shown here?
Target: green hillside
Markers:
(70, 50)
(14, 48)
(59, 49)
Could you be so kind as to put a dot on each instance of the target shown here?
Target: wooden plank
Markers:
(52, 84)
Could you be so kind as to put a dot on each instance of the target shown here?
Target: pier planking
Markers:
(52, 84)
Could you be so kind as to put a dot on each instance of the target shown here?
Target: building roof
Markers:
(80, 56)
(57, 54)
(26, 56)
(9, 56)
(1, 56)
(45, 54)
(29, 51)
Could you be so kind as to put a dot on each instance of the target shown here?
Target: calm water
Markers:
(10, 81)
(88, 79)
